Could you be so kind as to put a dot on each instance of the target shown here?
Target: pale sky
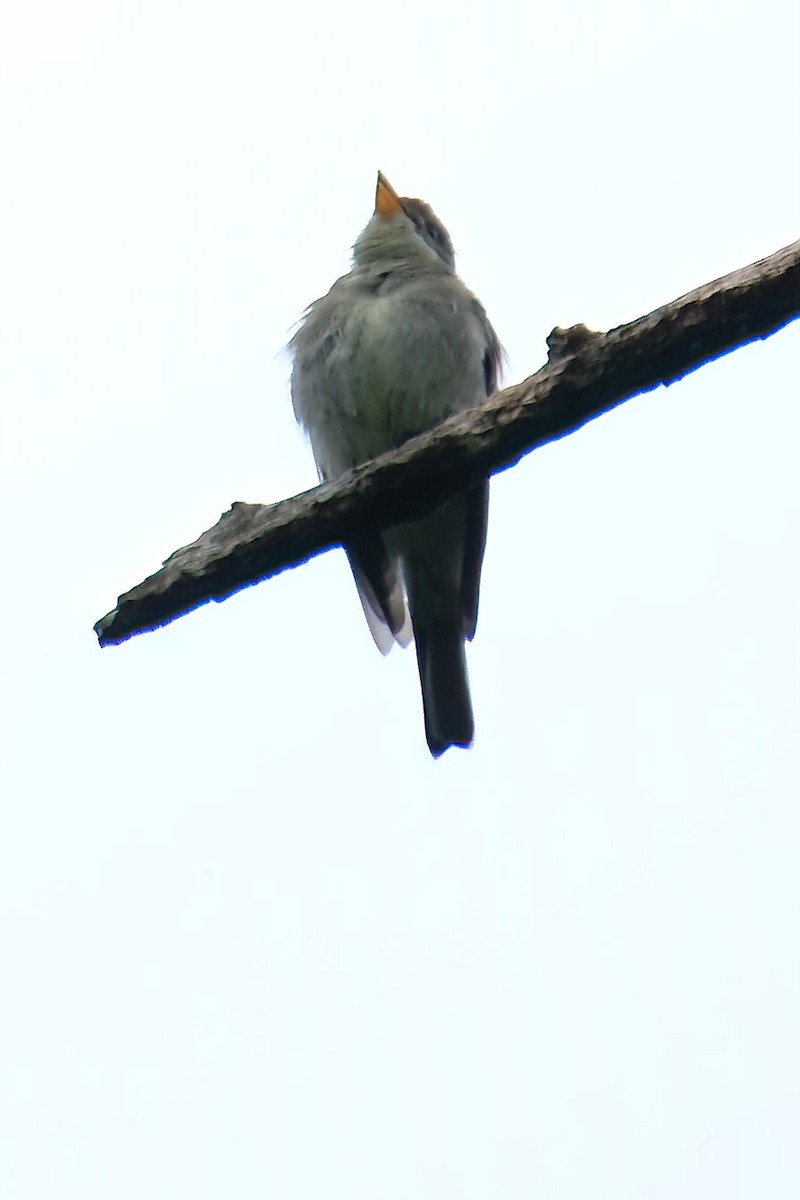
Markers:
(255, 942)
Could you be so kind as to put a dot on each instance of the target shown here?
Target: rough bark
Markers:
(587, 374)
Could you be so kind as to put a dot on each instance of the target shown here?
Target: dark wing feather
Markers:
(477, 501)
(478, 497)
(377, 580)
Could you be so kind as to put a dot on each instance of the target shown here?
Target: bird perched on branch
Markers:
(395, 347)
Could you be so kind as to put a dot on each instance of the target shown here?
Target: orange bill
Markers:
(387, 201)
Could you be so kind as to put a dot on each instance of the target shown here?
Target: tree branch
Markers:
(587, 374)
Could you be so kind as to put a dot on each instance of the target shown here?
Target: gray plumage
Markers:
(396, 346)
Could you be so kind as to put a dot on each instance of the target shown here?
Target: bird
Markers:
(395, 347)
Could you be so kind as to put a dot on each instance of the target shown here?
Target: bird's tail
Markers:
(445, 686)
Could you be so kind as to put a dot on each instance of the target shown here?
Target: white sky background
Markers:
(254, 941)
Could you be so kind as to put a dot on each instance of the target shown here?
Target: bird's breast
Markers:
(415, 360)
(377, 364)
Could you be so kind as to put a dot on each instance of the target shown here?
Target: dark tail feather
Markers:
(445, 687)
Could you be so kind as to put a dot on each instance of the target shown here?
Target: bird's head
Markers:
(403, 230)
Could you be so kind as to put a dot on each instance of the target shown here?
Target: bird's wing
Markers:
(380, 591)
(477, 519)
(477, 499)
